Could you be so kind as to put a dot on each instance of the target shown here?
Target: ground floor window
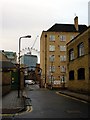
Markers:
(71, 75)
(89, 73)
(81, 74)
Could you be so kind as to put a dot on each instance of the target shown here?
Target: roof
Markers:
(78, 35)
(29, 55)
(66, 28)
(10, 55)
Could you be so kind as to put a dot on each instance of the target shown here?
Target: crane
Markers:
(34, 42)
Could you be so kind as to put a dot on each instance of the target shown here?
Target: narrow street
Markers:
(47, 104)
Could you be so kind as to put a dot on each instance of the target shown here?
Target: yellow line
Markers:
(27, 111)
(71, 97)
(7, 115)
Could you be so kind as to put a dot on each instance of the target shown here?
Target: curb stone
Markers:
(76, 96)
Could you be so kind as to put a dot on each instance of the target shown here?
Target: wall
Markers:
(79, 62)
(6, 82)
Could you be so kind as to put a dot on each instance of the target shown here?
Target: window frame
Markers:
(81, 74)
(63, 69)
(71, 54)
(52, 69)
(51, 48)
(51, 58)
(81, 50)
(71, 75)
(62, 38)
(62, 48)
(62, 58)
(52, 38)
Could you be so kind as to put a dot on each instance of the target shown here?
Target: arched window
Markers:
(81, 49)
(81, 74)
(71, 54)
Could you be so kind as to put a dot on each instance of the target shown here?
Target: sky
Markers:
(30, 17)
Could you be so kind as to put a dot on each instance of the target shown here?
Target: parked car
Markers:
(30, 82)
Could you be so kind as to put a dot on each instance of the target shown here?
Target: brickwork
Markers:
(6, 82)
(83, 61)
(57, 63)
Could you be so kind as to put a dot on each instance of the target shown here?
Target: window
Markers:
(51, 79)
(51, 58)
(63, 69)
(62, 38)
(62, 78)
(51, 48)
(63, 58)
(89, 45)
(80, 49)
(62, 48)
(71, 54)
(52, 37)
(81, 74)
(52, 68)
(89, 73)
(71, 75)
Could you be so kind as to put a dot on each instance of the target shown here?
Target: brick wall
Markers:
(6, 82)
(82, 85)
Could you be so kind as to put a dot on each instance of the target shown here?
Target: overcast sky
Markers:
(22, 17)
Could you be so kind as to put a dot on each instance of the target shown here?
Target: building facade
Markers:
(89, 13)
(12, 56)
(53, 52)
(78, 62)
(29, 61)
(5, 74)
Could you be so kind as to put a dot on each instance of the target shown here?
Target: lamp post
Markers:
(52, 59)
(28, 36)
(45, 84)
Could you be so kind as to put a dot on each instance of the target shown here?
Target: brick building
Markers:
(53, 52)
(5, 73)
(78, 62)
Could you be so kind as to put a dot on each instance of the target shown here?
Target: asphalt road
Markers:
(47, 104)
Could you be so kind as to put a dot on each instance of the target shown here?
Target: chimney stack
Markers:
(76, 23)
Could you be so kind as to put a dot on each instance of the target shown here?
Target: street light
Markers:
(28, 36)
(45, 84)
(52, 60)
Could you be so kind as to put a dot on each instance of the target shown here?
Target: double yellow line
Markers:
(11, 115)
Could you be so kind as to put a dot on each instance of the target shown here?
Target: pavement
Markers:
(11, 104)
(80, 96)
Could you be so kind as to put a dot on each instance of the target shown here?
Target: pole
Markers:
(51, 73)
(52, 59)
(19, 77)
(45, 59)
(19, 69)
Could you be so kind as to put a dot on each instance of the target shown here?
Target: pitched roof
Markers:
(78, 35)
(66, 28)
